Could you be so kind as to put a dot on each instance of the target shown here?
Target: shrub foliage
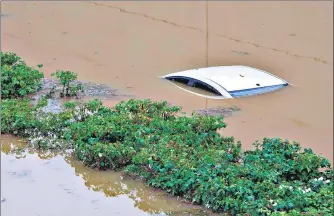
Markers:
(67, 78)
(18, 79)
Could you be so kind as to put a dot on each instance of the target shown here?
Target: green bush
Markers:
(16, 117)
(186, 156)
(18, 79)
(9, 58)
(67, 78)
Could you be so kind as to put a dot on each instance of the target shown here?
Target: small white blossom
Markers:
(320, 179)
(327, 181)
(308, 190)
(100, 154)
(271, 201)
(87, 112)
(275, 204)
(291, 188)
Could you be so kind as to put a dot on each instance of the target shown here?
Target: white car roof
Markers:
(226, 79)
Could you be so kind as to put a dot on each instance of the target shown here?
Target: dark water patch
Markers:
(5, 15)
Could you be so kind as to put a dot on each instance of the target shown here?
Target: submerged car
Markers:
(228, 81)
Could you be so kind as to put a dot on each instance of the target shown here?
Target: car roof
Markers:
(232, 78)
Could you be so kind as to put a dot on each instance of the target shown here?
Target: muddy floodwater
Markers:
(127, 45)
(39, 183)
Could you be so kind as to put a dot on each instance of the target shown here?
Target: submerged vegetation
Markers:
(67, 78)
(183, 155)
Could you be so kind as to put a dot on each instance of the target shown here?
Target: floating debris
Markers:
(3, 15)
(53, 106)
(218, 111)
(90, 89)
(240, 52)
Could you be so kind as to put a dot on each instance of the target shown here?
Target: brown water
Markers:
(37, 183)
(129, 44)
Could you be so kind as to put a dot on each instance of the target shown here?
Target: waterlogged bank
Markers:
(183, 155)
(135, 42)
(155, 142)
(41, 183)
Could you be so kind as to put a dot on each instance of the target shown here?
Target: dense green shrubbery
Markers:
(16, 116)
(18, 79)
(182, 155)
(185, 156)
(8, 58)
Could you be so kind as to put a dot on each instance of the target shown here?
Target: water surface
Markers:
(40, 183)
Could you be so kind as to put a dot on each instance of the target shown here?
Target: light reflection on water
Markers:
(42, 183)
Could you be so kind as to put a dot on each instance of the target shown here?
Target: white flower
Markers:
(327, 181)
(271, 201)
(308, 190)
(320, 179)
(291, 188)
(87, 112)
(100, 154)
(275, 204)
